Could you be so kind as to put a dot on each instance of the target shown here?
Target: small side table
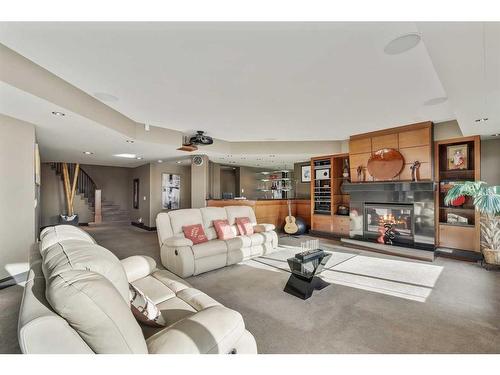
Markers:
(303, 280)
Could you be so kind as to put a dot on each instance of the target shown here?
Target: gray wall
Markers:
(143, 173)
(228, 181)
(53, 200)
(113, 182)
(302, 189)
(490, 161)
(156, 171)
(17, 195)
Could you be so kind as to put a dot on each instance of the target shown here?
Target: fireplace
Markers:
(389, 223)
(393, 213)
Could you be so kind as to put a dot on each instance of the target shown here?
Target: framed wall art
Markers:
(170, 191)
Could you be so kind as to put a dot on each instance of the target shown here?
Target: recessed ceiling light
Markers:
(496, 135)
(436, 101)
(160, 161)
(484, 119)
(402, 44)
(179, 162)
(105, 97)
(88, 152)
(139, 158)
(127, 156)
(57, 113)
(129, 141)
(272, 156)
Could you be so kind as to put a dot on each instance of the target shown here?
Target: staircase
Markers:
(86, 187)
(113, 213)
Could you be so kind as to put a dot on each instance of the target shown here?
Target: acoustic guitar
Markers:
(290, 224)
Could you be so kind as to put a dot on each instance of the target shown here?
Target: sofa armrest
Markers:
(216, 329)
(263, 228)
(178, 241)
(178, 259)
(138, 266)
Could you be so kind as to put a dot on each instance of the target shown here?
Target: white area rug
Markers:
(400, 278)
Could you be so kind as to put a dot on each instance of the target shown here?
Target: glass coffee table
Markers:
(303, 280)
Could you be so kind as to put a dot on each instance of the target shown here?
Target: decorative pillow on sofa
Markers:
(244, 226)
(144, 309)
(195, 233)
(223, 229)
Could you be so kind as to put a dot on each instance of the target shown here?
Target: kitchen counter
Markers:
(272, 211)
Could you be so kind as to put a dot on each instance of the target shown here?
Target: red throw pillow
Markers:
(223, 229)
(195, 233)
(244, 226)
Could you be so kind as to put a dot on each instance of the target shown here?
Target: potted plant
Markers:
(486, 200)
(69, 191)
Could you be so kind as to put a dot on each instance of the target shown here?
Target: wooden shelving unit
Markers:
(462, 236)
(327, 196)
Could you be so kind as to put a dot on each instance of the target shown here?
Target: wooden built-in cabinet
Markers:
(327, 196)
(457, 236)
(414, 142)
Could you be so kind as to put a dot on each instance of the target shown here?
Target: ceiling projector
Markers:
(200, 139)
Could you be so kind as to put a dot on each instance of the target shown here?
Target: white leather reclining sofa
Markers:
(76, 300)
(179, 255)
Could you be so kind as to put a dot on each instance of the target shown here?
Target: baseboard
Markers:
(400, 251)
(13, 280)
(142, 226)
(469, 256)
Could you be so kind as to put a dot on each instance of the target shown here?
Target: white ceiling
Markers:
(243, 81)
(253, 82)
(466, 56)
(66, 138)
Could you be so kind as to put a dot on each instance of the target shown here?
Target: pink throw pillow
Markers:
(223, 229)
(244, 226)
(195, 233)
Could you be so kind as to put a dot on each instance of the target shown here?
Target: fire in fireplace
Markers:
(389, 223)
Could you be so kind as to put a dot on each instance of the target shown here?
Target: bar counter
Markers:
(272, 211)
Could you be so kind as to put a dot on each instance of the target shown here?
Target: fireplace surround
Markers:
(394, 213)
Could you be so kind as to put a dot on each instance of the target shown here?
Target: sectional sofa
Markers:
(76, 300)
(180, 256)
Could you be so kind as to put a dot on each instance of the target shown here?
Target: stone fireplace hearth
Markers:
(393, 213)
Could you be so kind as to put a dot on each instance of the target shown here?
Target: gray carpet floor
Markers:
(375, 303)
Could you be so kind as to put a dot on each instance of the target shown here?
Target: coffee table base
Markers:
(304, 288)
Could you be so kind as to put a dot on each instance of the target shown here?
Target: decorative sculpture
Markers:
(359, 171)
(414, 169)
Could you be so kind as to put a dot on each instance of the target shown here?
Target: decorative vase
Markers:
(68, 220)
(491, 256)
(345, 172)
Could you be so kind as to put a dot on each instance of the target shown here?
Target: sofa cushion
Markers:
(264, 228)
(70, 255)
(244, 226)
(223, 229)
(238, 243)
(52, 235)
(209, 214)
(96, 311)
(181, 218)
(144, 309)
(195, 233)
(257, 239)
(213, 330)
(240, 211)
(87, 286)
(209, 248)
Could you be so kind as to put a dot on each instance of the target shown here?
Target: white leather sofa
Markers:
(179, 255)
(76, 300)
